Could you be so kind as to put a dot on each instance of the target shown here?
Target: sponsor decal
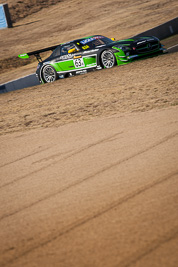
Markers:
(77, 57)
(101, 45)
(85, 47)
(69, 56)
(81, 71)
(90, 65)
(90, 39)
(94, 50)
(78, 63)
(142, 42)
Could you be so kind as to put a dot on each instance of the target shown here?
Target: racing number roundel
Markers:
(78, 63)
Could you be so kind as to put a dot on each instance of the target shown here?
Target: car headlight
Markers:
(125, 48)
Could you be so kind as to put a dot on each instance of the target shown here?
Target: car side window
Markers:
(68, 49)
(56, 52)
(64, 50)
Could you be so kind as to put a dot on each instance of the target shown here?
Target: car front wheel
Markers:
(108, 59)
(49, 74)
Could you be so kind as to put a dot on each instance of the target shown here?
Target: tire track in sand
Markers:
(165, 139)
(164, 238)
(62, 159)
(168, 236)
(25, 157)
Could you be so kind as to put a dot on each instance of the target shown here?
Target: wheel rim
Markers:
(108, 59)
(49, 74)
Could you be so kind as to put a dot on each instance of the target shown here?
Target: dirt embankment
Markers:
(138, 86)
(37, 27)
(21, 9)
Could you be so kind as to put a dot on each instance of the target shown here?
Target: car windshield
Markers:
(93, 42)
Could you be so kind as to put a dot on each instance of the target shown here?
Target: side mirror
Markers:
(113, 39)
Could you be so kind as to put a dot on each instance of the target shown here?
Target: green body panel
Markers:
(90, 61)
(63, 65)
(121, 58)
(69, 65)
(125, 40)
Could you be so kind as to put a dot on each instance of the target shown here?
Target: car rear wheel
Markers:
(108, 59)
(49, 74)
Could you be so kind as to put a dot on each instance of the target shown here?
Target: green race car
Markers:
(93, 52)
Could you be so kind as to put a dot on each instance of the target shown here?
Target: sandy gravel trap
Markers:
(89, 164)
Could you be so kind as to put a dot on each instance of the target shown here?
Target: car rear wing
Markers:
(37, 53)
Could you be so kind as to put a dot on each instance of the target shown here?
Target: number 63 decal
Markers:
(79, 63)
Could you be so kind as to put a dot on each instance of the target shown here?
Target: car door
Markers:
(71, 58)
(89, 55)
(65, 62)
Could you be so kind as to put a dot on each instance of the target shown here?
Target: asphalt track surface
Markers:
(173, 49)
(96, 193)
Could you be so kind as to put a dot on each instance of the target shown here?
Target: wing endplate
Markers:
(23, 56)
(37, 52)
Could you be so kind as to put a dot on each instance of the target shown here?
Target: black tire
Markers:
(108, 59)
(49, 74)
